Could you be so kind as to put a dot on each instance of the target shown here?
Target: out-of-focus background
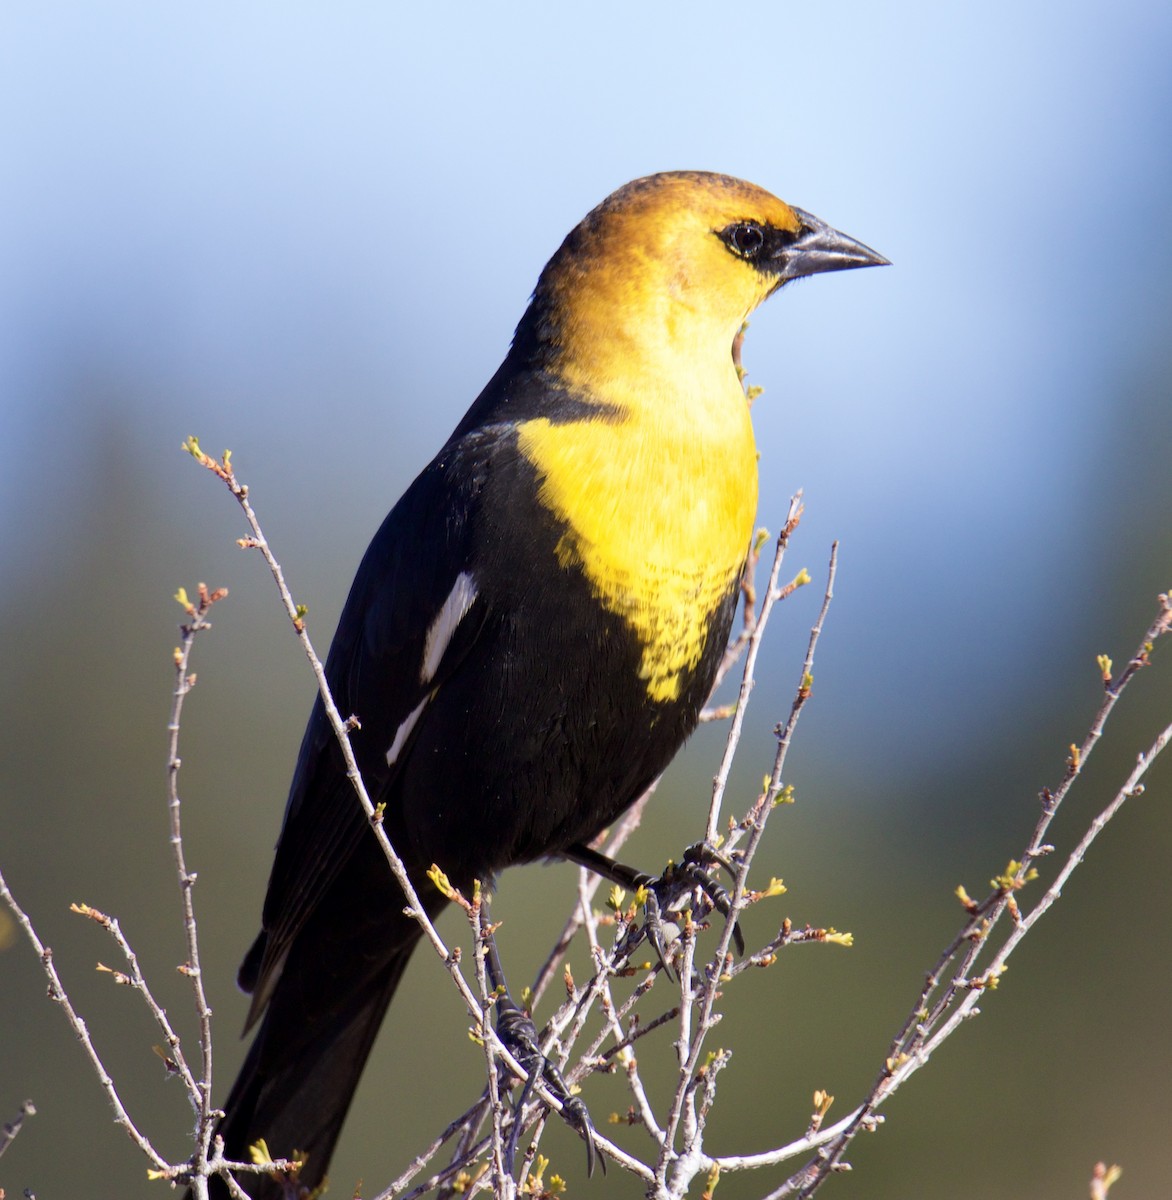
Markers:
(306, 232)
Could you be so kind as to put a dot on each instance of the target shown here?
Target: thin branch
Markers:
(503, 1184)
(469, 1119)
(613, 1019)
(173, 1055)
(1132, 787)
(684, 1167)
(81, 1032)
(772, 595)
(738, 645)
(11, 1128)
(960, 989)
(201, 1091)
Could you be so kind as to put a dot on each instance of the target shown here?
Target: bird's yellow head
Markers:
(651, 470)
(666, 269)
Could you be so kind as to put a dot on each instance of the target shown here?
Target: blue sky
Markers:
(322, 223)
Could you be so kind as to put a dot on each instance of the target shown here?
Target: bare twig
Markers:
(468, 1120)
(951, 992)
(748, 677)
(81, 1032)
(503, 1184)
(675, 1169)
(134, 978)
(10, 1129)
(201, 1091)
(614, 1019)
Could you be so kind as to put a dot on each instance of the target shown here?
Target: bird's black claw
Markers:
(692, 872)
(654, 929)
(577, 1116)
(698, 858)
(516, 1030)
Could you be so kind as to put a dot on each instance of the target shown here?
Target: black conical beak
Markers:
(818, 247)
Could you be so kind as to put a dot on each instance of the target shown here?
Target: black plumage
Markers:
(522, 665)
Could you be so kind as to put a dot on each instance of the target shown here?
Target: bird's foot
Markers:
(669, 891)
(517, 1032)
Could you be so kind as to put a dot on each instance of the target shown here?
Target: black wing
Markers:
(395, 644)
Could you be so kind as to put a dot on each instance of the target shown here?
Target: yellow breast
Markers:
(658, 508)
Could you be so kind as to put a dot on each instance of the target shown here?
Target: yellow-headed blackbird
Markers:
(534, 627)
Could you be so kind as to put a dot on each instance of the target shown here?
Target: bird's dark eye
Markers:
(745, 238)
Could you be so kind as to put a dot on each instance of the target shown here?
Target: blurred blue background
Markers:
(306, 233)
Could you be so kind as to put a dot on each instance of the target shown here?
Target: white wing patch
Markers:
(404, 731)
(439, 634)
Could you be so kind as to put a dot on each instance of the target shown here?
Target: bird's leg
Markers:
(664, 892)
(516, 1030)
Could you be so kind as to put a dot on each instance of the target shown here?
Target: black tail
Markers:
(296, 1084)
(324, 1007)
